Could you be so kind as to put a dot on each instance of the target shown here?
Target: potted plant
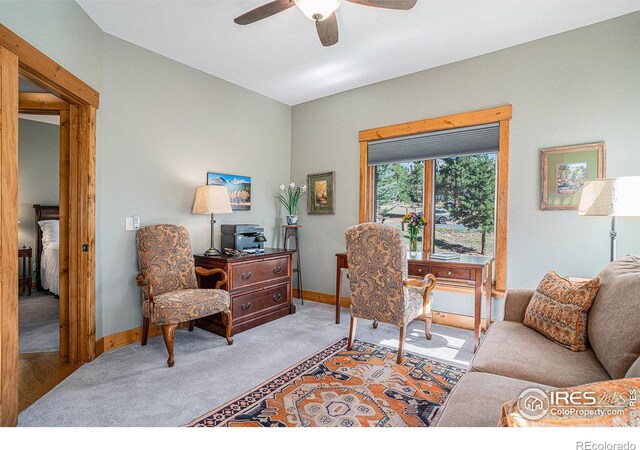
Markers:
(415, 222)
(289, 198)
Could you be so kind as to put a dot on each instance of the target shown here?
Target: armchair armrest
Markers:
(515, 304)
(202, 272)
(427, 284)
(143, 282)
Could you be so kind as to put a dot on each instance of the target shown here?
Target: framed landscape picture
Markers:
(321, 198)
(239, 189)
(564, 172)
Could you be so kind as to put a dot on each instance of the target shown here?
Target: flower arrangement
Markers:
(414, 222)
(289, 197)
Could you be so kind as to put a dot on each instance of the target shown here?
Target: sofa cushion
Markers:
(612, 395)
(477, 399)
(614, 319)
(514, 350)
(559, 309)
(634, 370)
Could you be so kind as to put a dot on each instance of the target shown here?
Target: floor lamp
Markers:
(611, 197)
(212, 200)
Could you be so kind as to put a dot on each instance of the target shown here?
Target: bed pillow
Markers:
(558, 310)
(50, 231)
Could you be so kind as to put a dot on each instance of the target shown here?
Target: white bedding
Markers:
(50, 267)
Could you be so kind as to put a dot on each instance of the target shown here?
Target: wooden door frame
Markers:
(77, 209)
(502, 116)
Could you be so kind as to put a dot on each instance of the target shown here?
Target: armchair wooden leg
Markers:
(192, 325)
(145, 330)
(227, 320)
(375, 324)
(427, 325)
(168, 331)
(352, 332)
(400, 345)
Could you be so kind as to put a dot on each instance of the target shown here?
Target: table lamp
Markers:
(212, 200)
(611, 197)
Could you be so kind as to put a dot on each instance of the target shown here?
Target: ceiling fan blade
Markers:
(264, 11)
(388, 4)
(328, 30)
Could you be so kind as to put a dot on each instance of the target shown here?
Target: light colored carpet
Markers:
(133, 386)
(38, 323)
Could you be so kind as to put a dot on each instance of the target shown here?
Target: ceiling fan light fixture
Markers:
(318, 10)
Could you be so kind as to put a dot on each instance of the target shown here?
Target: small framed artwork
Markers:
(321, 198)
(239, 189)
(564, 172)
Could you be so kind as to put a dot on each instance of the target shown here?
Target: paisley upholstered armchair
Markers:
(169, 282)
(378, 276)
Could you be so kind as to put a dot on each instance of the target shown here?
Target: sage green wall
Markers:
(38, 180)
(576, 87)
(161, 125)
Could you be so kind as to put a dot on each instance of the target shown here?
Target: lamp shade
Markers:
(611, 197)
(212, 200)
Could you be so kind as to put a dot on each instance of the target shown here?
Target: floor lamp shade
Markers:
(212, 200)
(612, 197)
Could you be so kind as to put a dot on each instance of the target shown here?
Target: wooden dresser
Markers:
(259, 285)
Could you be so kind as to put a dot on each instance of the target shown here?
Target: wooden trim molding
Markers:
(501, 115)
(46, 72)
(126, 337)
(39, 103)
(441, 318)
(8, 238)
(466, 119)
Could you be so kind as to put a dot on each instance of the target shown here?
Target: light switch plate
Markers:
(136, 222)
(128, 223)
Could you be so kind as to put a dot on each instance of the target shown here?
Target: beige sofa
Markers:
(513, 357)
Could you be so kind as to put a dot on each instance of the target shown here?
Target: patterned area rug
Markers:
(339, 388)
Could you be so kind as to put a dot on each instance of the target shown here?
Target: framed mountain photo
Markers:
(239, 189)
(565, 170)
(321, 198)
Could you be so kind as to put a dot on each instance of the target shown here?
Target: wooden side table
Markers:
(291, 231)
(24, 281)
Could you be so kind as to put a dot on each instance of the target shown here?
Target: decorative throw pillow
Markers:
(558, 310)
(611, 403)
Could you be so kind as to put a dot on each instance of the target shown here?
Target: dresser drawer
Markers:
(260, 301)
(259, 271)
(450, 272)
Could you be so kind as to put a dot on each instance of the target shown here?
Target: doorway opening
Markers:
(76, 103)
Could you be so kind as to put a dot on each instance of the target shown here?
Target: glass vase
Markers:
(413, 244)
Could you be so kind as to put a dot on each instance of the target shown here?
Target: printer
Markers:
(243, 237)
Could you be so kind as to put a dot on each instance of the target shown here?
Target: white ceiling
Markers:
(282, 58)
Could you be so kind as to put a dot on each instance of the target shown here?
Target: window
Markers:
(464, 200)
(459, 164)
(399, 190)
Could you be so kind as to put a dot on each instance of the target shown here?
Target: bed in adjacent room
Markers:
(48, 248)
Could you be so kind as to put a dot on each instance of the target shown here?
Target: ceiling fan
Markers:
(322, 12)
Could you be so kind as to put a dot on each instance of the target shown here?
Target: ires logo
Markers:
(563, 398)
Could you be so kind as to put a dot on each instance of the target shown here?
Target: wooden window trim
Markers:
(501, 115)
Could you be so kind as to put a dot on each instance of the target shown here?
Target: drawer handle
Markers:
(277, 297)
(449, 273)
(246, 307)
(246, 276)
(419, 270)
(277, 269)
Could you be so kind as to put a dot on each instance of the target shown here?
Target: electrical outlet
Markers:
(128, 223)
